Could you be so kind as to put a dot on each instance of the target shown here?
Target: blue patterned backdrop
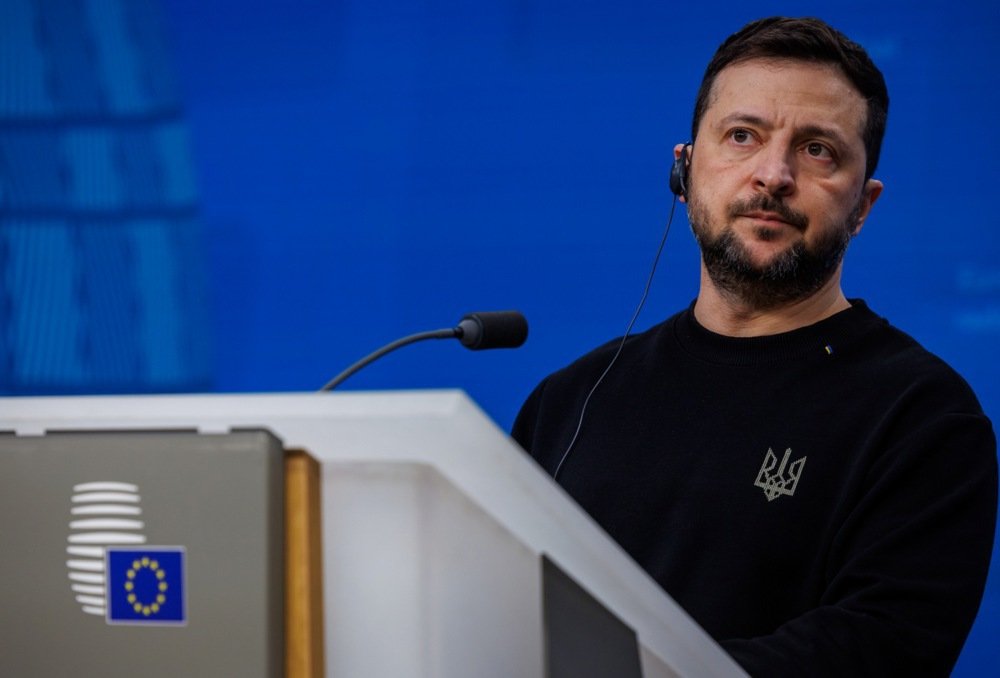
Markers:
(251, 195)
(102, 277)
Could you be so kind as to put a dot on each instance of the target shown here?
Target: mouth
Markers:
(769, 214)
(772, 219)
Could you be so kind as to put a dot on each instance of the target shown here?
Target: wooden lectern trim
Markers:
(303, 568)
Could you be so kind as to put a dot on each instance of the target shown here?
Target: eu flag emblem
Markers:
(146, 586)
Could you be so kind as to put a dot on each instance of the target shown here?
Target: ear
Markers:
(869, 194)
(678, 149)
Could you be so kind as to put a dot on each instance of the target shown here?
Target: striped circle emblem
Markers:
(104, 513)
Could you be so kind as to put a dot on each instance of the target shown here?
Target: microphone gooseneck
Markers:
(476, 331)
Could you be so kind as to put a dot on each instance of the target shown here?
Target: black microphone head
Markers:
(492, 329)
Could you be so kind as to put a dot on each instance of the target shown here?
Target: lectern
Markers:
(445, 552)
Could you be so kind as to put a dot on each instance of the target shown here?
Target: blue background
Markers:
(364, 170)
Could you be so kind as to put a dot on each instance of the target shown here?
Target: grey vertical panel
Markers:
(583, 638)
(220, 497)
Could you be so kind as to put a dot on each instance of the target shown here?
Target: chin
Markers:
(761, 254)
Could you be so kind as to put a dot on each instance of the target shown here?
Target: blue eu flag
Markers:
(146, 586)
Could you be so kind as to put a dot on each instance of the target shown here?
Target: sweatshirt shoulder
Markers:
(895, 357)
(560, 396)
(592, 364)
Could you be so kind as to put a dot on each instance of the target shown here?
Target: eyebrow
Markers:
(807, 130)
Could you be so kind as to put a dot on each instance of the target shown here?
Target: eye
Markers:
(741, 136)
(817, 150)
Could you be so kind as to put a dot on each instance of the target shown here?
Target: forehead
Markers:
(788, 92)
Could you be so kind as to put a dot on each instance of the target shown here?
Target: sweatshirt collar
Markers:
(824, 338)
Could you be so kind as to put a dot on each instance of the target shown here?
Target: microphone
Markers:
(492, 329)
(476, 331)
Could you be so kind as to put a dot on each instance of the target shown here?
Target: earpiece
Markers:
(679, 173)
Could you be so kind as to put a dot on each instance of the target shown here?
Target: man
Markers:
(813, 487)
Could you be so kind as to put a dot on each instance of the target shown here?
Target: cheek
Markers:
(711, 198)
(828, 215)
(832, 203)
(716, 180)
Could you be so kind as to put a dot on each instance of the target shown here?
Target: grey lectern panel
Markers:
(583, 639)
(141, 553)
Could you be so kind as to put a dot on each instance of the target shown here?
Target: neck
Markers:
(724, 313)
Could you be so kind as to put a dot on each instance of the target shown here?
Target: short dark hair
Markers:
(806, 39)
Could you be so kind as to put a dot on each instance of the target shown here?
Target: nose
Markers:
(773, 172)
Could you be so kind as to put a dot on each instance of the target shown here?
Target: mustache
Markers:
(766, 203)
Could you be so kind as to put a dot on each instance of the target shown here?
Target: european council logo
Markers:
(146, 586)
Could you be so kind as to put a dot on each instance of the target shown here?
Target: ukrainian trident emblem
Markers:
(774, 482)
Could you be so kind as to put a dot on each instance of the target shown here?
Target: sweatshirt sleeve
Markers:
(908, 567)
(523, 430)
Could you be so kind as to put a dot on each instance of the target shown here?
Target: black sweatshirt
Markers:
(821, 501)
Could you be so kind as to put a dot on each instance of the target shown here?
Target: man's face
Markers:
(776, 187)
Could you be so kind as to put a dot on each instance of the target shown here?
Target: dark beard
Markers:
(791, 276)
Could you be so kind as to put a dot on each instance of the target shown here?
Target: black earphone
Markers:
(679, 173)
